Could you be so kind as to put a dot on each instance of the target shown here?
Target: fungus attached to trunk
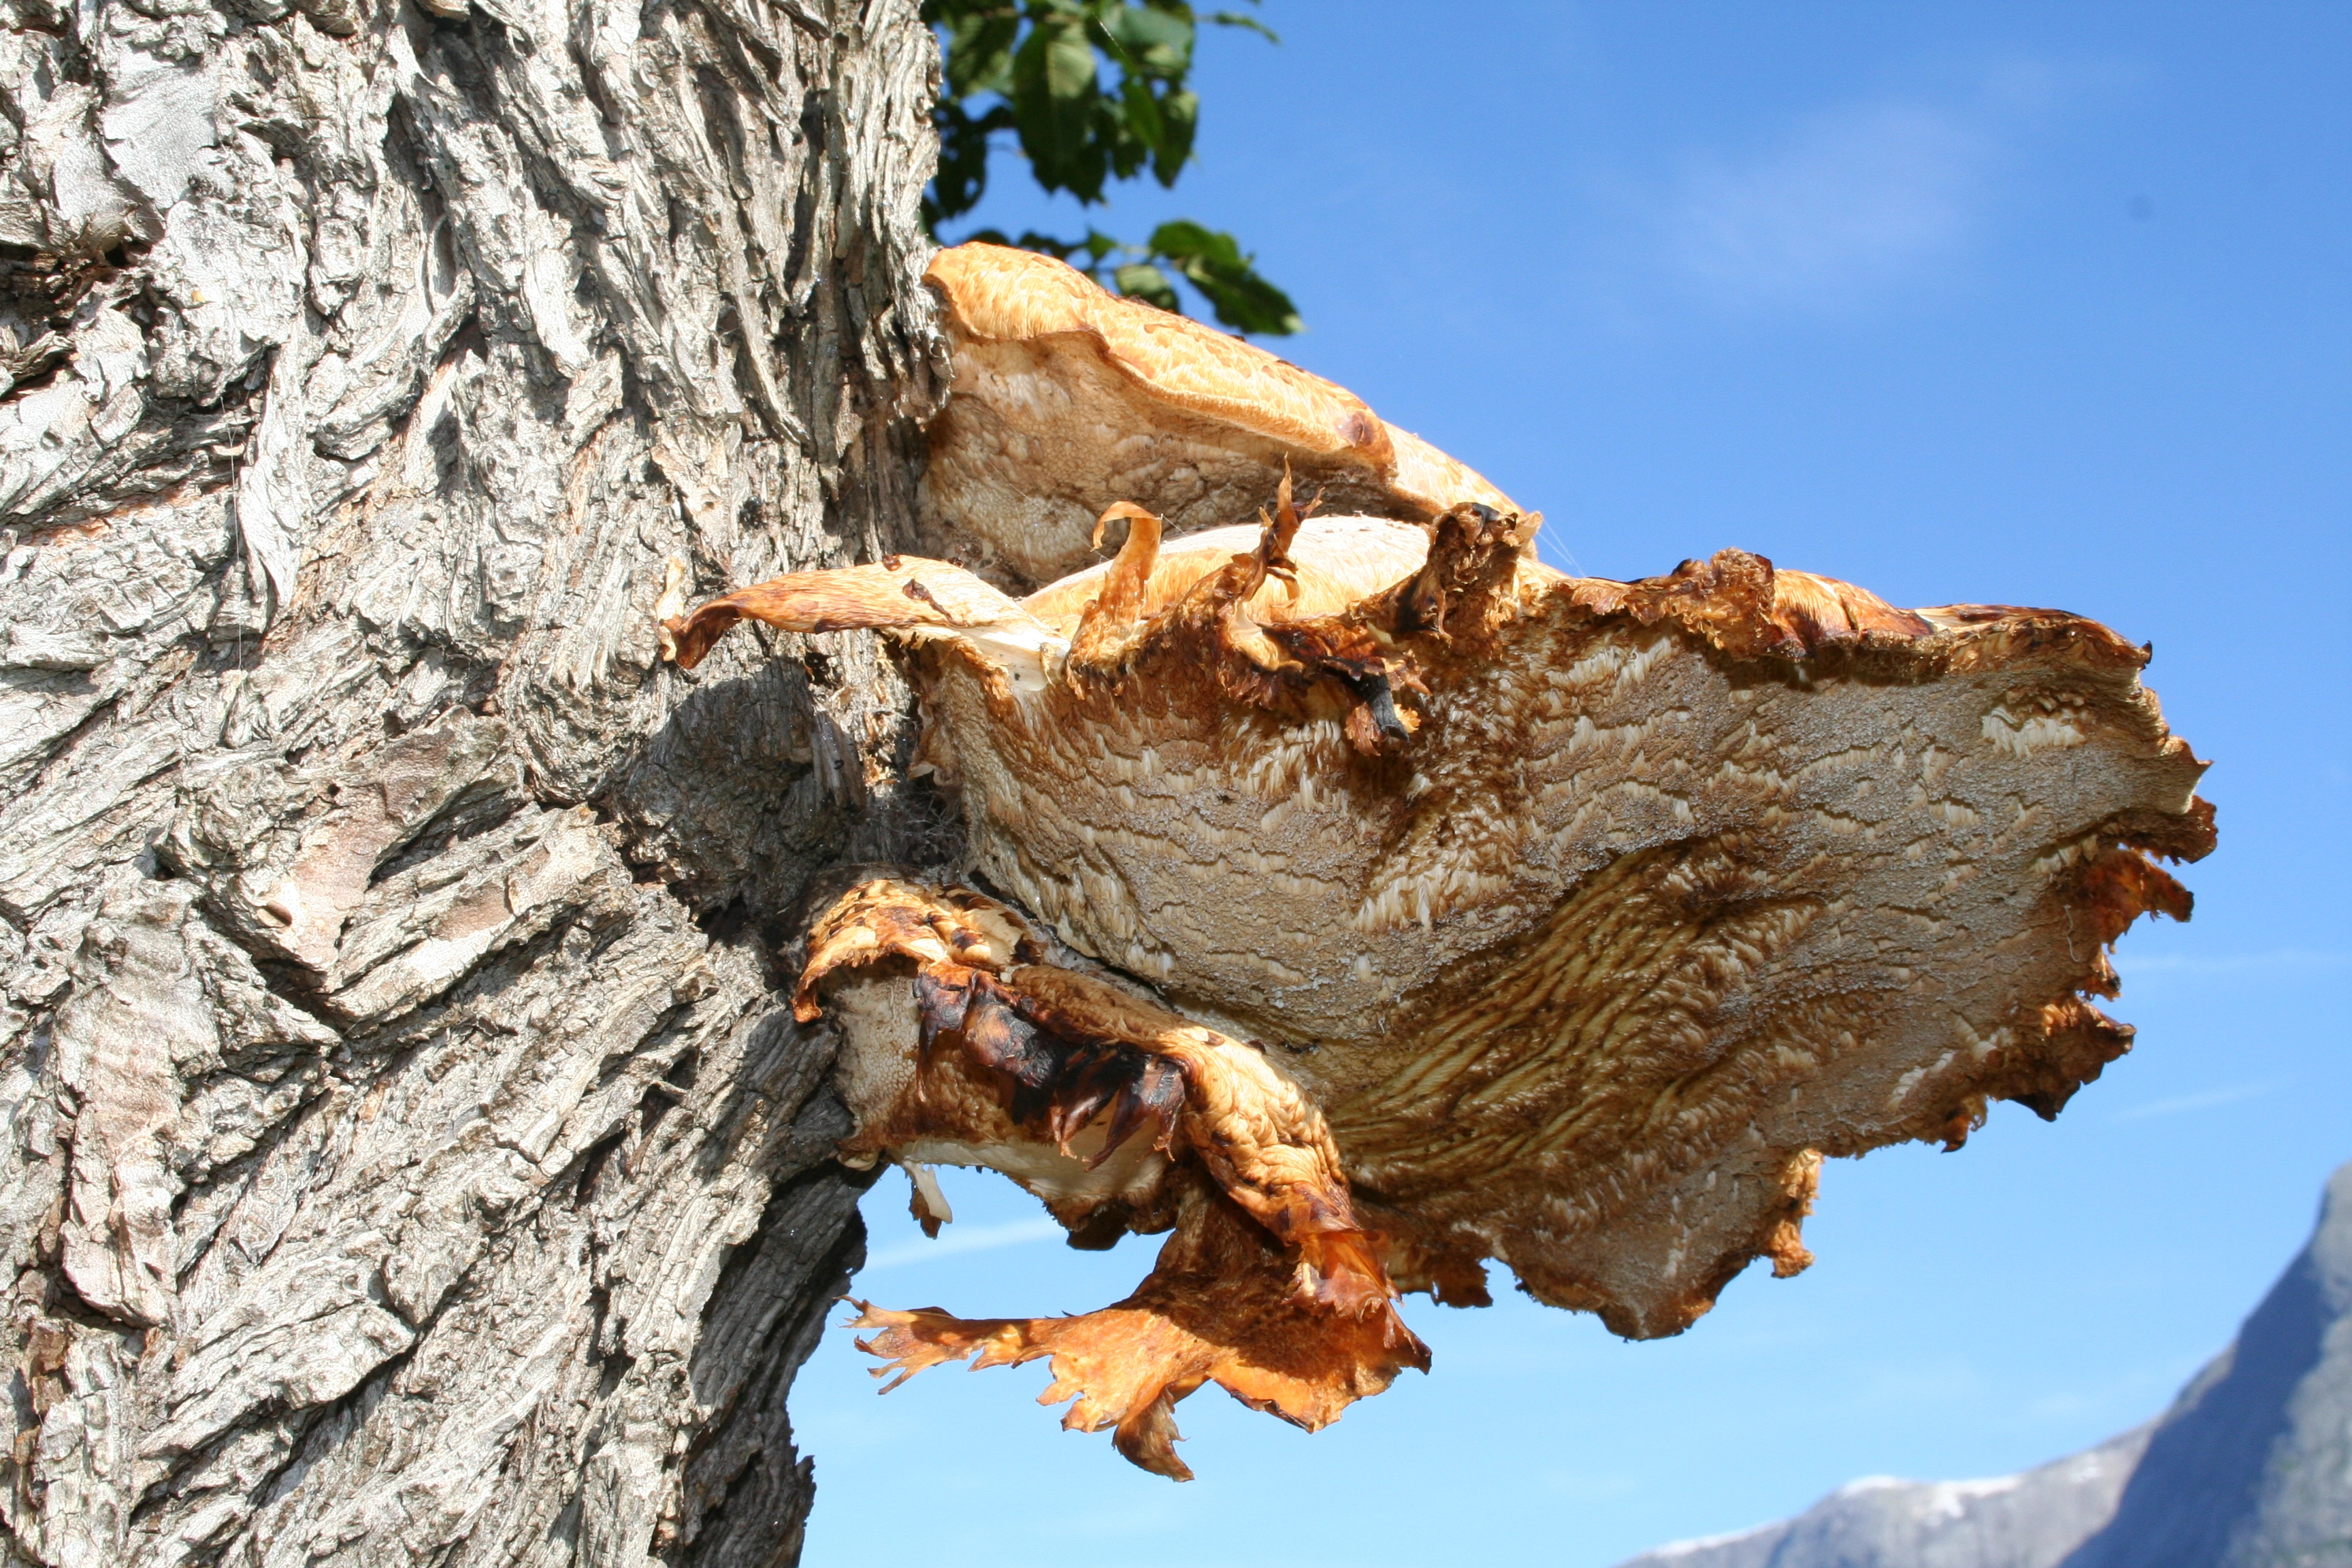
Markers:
(1583, 917)
(1419, 905)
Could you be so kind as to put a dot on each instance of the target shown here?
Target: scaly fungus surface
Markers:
(1068, 400)
(1376, 901)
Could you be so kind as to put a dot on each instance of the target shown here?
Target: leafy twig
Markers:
(1036, 68)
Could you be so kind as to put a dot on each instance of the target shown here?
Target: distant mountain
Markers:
(2251, 1468)
(2029, 1521)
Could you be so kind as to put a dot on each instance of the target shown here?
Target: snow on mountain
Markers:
(2251, 1467)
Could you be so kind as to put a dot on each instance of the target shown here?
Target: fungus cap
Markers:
(1587, 916)
(1068, 399)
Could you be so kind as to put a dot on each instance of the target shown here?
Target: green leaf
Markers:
(1248, 303)
(1246, 23)
(1068, 57)
(1114, 134)
(1179, 115)
(1054, 95)
(1044, 244)
(978, 51)
(1213, 262)
(1039, 61)
(1184, 240)
(1154, 43)
(1141, 280)
(1144, 120)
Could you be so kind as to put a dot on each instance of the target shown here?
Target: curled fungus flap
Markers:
(1216, 1307)
(1271, 1287)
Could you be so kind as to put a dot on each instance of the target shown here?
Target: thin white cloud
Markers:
(1856, 199)
(961, 1238)
(2180, 1104)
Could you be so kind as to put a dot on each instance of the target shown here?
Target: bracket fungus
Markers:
(1068, 400)
(1371, 900)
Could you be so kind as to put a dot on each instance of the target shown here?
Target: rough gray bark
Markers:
(407, 1156)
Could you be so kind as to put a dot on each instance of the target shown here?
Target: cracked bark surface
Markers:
(410, 1155)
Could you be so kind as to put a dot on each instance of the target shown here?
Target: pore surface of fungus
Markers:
(1394, 902)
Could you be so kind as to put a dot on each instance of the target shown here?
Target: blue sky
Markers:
(2030, 304)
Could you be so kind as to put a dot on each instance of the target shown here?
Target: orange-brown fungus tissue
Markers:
(1370, 902)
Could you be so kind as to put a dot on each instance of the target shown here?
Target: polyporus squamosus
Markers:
(1069, 400)
(1430, 906)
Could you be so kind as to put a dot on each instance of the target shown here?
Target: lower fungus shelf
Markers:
(1268, 1287)
(1222, 1305)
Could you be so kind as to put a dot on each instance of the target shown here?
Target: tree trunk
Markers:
(408, 1157)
